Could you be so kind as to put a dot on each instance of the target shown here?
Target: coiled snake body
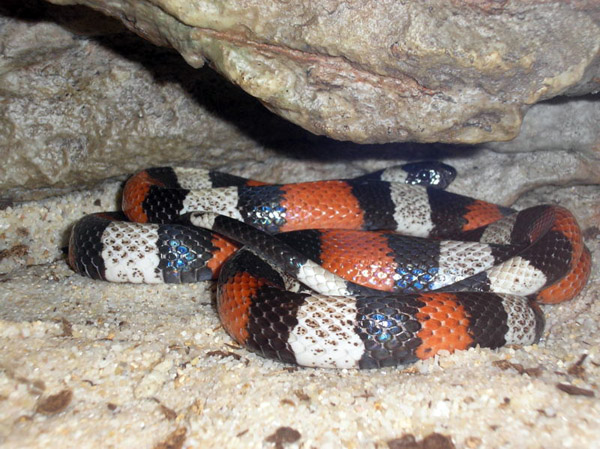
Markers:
(366, 272)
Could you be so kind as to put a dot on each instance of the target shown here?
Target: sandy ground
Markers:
(88, 364)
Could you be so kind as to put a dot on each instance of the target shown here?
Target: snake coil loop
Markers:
(365, 272)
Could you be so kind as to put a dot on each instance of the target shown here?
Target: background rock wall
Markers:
(385, 71)
(83, 99)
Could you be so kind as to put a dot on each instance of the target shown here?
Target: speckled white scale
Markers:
(203, 220)
(222, 200)
(516, 276)
(324, 335)
(521, 320)
(499, 232)
(130, 253)
(193, 178)
(394, 174)
(321, 280)
(459, 260)
(412, 211)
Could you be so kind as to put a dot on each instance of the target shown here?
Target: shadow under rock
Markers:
(217, 95)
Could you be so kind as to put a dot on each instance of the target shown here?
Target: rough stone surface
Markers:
(90, 101)
(385, 71)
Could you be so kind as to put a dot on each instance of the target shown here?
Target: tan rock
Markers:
(384, 71)
(90, 100)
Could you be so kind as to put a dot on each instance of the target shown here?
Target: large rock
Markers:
(385, 71)
(91, 100)
(83, 99)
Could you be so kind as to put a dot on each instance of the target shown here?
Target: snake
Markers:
(380, 270)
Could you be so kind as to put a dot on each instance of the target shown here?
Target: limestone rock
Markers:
(385, 71)
(91, 100)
